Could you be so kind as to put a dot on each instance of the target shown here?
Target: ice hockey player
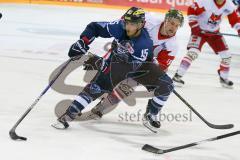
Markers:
(132, 47)
(163, 34)
(205, 17)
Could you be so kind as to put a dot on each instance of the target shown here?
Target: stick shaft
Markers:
(40, 96)
(226, 126)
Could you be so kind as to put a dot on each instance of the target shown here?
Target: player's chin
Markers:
(171, 33)
(130, 34)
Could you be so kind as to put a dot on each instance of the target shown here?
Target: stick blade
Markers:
(14, 136)
(152, 149)
(226, 126)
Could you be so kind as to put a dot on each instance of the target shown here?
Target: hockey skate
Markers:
(225, 82)
(62, 122)
(177, 80)
(151, 121)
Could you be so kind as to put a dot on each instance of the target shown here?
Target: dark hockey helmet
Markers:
(135, 14)
(174, 13)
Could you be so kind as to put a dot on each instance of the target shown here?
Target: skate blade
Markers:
(177, 84)
(226, 86)
(58, 126)
(148, 126)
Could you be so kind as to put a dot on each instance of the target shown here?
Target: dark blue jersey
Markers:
(141, 47)
(236, 2)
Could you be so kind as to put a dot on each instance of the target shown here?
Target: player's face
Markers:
(171, 26)
(133, 29)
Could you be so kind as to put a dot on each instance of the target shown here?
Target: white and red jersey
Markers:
(165, 48)
(207, 14)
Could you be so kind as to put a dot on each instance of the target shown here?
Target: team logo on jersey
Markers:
(214, 19)
(129, 47)
(125, 46)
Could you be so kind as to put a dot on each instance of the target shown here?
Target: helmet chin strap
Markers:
(135, 34)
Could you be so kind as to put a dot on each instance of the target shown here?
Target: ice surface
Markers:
(35, 39)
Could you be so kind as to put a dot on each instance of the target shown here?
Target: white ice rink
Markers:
(34, 40)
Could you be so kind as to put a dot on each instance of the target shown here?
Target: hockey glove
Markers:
(94, 63)
(77, 49)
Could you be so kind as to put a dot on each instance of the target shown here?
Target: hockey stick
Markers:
(150, 148)
(215, 126)
(221, 34)
(12, 132)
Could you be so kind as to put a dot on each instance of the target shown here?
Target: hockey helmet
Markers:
(135, 15)
(174, 13)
